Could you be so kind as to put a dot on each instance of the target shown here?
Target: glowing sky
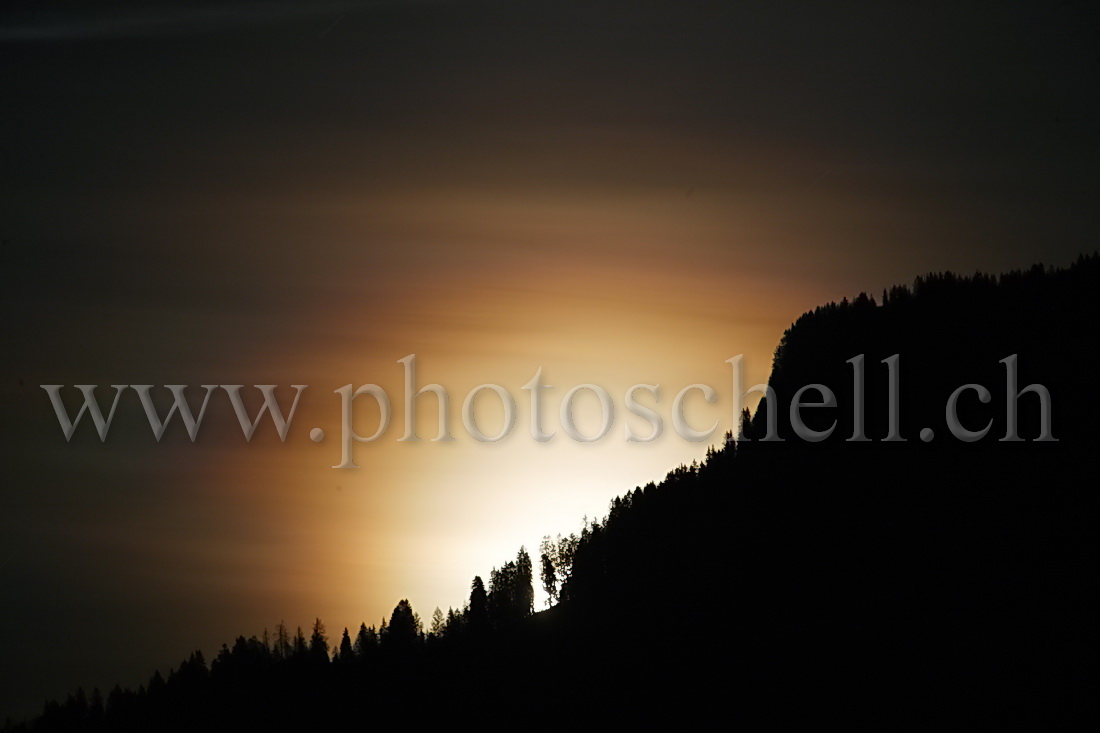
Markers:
(617, 193)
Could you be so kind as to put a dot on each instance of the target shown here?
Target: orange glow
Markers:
(624, 305)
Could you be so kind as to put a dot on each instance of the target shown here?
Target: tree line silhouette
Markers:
(864, 582)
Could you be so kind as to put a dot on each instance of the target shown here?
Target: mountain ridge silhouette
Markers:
(878, 582)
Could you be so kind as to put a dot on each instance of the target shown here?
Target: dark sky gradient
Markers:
(305, 193)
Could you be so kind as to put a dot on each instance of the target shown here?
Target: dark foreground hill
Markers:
(945, 581)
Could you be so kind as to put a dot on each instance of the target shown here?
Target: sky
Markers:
(614, 193)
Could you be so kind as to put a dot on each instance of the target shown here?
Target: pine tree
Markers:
(404, 628)
(436, 629)
(282, 648)
(366, 641)
(300, 647)
(347, 653)
(479, 606)
(524, 593)
(547, 558)
(318, 642)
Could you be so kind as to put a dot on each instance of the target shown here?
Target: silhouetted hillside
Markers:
(855, 581)
(948, 331)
